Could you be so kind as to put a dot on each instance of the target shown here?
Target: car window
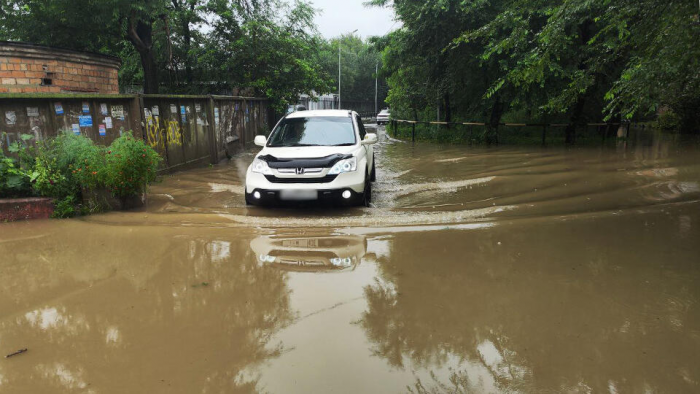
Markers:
(361, 126)
(313, 131)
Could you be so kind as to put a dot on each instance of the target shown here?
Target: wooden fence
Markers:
(185, 130)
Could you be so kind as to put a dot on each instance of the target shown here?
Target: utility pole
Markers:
(376, 87)
(340, 40)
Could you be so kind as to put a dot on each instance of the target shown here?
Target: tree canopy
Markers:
(572, 60)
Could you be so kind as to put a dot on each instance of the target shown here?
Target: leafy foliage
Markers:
(558, 60)
(68, 166)
(129, 166)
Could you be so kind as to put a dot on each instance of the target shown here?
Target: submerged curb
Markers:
(16, 209)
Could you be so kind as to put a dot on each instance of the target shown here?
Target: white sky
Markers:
(339, 17)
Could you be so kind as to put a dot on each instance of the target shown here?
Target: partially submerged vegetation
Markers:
(79, 175)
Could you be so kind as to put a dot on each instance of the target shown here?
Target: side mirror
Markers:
(260, 140)
(370, 138)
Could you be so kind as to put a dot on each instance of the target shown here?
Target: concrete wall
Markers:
(27, 68)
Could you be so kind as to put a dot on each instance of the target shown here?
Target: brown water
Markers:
(478, 270)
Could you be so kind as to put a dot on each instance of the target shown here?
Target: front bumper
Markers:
(327, 191)
(333, 196)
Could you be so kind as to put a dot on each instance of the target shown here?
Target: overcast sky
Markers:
(339, 17)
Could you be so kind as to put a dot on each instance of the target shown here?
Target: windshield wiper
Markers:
(345, 144)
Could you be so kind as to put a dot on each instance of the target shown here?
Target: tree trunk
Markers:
(575, 120)
(492, 125)
(187, 36)
(448, 110)
(140, 34)
(585, 35)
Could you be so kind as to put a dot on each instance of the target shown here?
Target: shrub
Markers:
(57, 162)
(14, 182)
(668, 120)
(14, 173)
(68, 165)
(130, 165)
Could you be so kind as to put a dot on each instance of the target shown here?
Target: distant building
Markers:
(28, 68)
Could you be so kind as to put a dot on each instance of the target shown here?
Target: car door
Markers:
(369, 149)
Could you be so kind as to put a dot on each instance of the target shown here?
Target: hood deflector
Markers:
(319, 162)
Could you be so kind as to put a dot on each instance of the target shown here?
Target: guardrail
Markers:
(544, 126)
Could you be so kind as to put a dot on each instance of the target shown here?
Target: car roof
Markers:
(337, 113)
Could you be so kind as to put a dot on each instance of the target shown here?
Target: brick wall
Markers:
(25, 68)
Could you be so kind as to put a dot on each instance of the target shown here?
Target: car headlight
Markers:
(347, 165)
(261, 167)
(338, 262)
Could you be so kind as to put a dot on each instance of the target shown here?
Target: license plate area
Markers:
(298, 195)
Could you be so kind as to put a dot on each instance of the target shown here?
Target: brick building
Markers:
(28, 68)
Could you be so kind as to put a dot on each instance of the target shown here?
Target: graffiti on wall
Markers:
(158, 135)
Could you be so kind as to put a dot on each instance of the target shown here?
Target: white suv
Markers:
(323, 155)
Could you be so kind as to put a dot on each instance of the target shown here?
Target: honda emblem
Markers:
(300, 171)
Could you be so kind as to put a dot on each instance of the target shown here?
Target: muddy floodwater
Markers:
(478, 270)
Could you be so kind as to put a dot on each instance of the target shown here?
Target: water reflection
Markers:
(311, 253)
(201, 314)
(503, 313)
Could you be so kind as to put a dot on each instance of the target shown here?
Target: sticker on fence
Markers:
(108, 122)
(103, 130)
(86, 107)
(155, 111)
(118, 111)
(216, 116)
(59, 108)
(103, 109)
(198, 107)
(183, 113)
(76, 128)
(10, 118)
(32, 111)
(85, 120)
(173, 108)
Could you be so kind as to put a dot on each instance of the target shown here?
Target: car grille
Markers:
(323, 179)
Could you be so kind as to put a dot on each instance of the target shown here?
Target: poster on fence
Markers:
(76, 128)
(103, 130)
(10, 118)
(118, 111)
(58, 108)
(85, 121)
(108, 122)
(32, 111)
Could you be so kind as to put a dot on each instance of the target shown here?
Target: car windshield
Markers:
(313, 131)
(384, 112)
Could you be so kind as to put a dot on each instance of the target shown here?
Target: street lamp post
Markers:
(340, 40)
(376, 86)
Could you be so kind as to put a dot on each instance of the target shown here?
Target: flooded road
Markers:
(478, 270)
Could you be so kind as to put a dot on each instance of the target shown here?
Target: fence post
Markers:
(413, 138)
(138, 105)
(213, 132)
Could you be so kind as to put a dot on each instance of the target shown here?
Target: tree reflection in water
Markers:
(542, 307)
(190, 311)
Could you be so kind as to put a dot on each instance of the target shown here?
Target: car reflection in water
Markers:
(310, 254)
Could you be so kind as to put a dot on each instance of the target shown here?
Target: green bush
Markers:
(130, 165)
(67, 166)
(14, 182)
(14, 173)
(668, 120)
